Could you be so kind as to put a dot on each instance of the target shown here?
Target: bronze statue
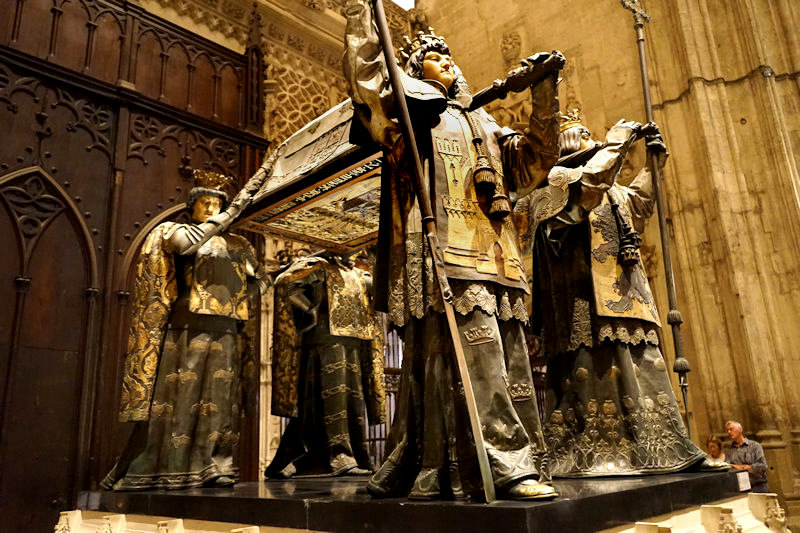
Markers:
(182, 368)
(327, 367)
(474, 165)
(610, 406)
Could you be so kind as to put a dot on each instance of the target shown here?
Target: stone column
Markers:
(726, 79)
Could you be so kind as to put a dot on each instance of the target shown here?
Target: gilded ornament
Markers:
(581, 374)
(180, 440)
(205, 408)
(225, 375)
(520, 391)
(479, 335)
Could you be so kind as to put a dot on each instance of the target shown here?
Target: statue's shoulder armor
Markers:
(423, 99)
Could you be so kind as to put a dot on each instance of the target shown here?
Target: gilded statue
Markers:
(327, 368)
(610, 405)
(474, 167)
(181, 384)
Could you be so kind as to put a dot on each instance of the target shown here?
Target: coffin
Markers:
(324, 190)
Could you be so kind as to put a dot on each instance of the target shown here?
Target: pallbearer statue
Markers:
(473, 166)
(183, 362)
(327, 368)
(610, 406)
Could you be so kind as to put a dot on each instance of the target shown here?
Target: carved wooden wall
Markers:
(104, 111)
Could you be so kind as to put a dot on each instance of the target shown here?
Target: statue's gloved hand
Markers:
(548, 62)
(655, 143)
(647, 129)
(534, 69)
(623, 130)
(242, 199)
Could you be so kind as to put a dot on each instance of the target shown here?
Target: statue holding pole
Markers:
(681, 365)
(610, 406)
(449, 271)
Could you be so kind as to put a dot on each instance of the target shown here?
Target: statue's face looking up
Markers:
(205, 207)
(574, 139)
(438, 67)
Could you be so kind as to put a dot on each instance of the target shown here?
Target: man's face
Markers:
(205, 207)
(438, 67)
(734, 432)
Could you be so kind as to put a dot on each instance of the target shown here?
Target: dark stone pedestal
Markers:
(343, 504)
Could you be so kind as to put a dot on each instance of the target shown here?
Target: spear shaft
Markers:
(421, 183)
(681, 365)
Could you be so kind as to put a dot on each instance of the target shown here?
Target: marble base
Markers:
(342, 504)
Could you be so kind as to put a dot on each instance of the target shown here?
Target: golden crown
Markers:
(422, 39)
(570, 120)
(213, 180)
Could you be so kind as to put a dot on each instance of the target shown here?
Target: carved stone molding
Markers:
(719, 519)
(767, 509)
(228, 17)
(510, 47)
(298, 91)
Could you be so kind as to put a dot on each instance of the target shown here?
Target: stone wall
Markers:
(724, 77)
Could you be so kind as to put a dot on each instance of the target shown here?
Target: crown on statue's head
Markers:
(570, 120)
(212, 180)
(422, 39)
(211, 183)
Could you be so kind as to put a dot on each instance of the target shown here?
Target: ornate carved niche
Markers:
(569, 89)
(513, 112)
(65, 132)
(418, 20)
(510, 48)
(31, 208)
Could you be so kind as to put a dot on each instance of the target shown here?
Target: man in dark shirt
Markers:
(746, 454)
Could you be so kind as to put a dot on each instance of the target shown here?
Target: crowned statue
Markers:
(183, 361)
(473, 167)
(610, 406)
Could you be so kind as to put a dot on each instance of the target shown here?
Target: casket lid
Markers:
(324, 190)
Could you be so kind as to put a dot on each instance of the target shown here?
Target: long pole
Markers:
(674, 318)
(421, 185)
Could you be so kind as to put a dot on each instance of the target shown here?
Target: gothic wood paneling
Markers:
(169, 64)
(105, 110)
(44, 365)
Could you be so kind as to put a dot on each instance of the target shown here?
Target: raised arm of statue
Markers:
(599, 173)
(640, 196)
(365, 68)
(531, 156)
(186, 239)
